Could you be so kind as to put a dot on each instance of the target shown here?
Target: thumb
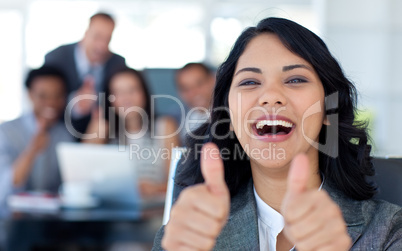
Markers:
(298, 175)
(212, 169)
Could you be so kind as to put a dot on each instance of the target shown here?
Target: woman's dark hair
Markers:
(111, 113)
(347, 171)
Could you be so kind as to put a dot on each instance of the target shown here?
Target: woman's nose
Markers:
(272, 95)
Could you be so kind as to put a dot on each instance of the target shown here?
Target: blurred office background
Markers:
(364, 35)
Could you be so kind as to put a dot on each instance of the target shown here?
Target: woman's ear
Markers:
(326, 121)
(231, 127)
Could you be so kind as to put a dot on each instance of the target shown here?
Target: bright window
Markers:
(11, 65)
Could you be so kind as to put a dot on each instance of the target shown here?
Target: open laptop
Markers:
(109, 170)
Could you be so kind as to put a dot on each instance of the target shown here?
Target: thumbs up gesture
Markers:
(312, 220)
(201, 211)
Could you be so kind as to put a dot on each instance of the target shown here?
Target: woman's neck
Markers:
(271, 184)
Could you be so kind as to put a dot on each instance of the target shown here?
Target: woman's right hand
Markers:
(98, 128)
(201, 211)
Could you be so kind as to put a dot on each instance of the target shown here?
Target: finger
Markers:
(298, 175)
(212, 169)
(178, 235)
(305, 227)
(170, 244)
(184, 248)
(206, 222)
(199, 198)
(196, 241)
(204, 225)
(314, 218)
(333, 229)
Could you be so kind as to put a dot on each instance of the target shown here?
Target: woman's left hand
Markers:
(312, 220)
(97, 129)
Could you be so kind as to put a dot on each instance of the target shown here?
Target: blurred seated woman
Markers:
(127, 121)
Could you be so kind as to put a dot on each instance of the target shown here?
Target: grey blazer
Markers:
(372, 224)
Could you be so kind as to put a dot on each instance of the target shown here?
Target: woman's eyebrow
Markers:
(252, 69)
(294, 66)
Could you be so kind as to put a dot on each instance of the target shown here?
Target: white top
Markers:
(270, 223)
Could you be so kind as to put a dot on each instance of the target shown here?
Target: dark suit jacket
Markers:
(63, 58)
(372, 224)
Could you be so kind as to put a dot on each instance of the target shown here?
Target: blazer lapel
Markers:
(351, 209)
(71, 66)
(241, 230)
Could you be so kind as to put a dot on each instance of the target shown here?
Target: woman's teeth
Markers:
(283, 123)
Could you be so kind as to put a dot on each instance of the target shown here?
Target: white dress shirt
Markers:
(85, 68)
(270, 223)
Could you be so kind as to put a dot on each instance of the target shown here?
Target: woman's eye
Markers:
(296, 81)
(249, 82)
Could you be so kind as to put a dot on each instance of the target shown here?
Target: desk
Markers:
(70, 229)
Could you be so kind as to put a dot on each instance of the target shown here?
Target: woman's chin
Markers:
(274, 161)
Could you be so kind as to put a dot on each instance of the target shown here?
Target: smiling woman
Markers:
(127, 120)
(275, 90)
(277, 86)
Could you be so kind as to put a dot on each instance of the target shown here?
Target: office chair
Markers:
(389, 179)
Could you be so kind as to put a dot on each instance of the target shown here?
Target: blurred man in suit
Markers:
(195, 84)
(87, 65)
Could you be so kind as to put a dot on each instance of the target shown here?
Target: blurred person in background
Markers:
(127, 120)
(195, 83)
(27, 144)
(87, 64)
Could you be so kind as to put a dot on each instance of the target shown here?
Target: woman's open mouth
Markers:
(273, 128)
